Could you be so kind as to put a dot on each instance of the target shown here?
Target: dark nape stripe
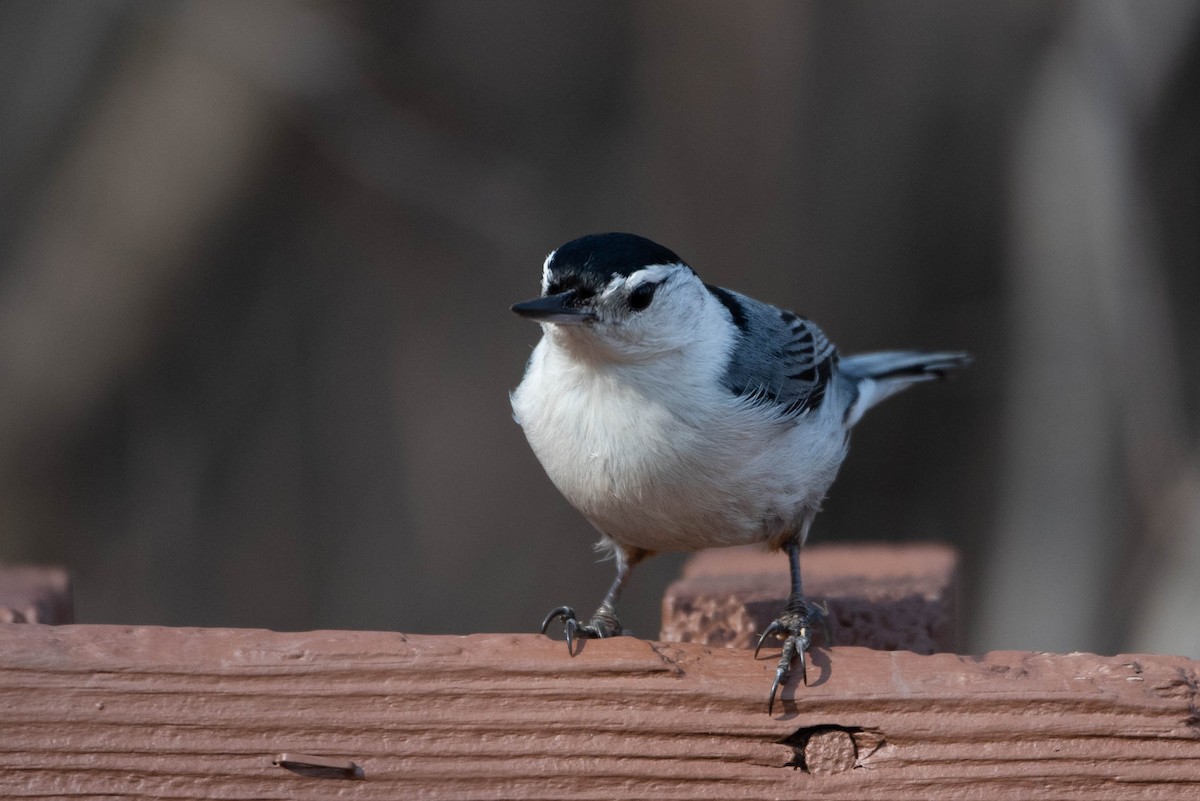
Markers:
(730, 302)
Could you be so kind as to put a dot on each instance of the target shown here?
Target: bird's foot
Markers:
(603, 624)
(795, 628)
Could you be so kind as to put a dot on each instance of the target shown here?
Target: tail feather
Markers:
(880, 375)
(911, 363)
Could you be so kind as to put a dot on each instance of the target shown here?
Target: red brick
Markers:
(889, 597)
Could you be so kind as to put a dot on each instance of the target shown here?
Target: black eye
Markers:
(640, 298)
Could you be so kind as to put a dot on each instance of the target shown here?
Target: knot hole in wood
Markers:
(826, 750)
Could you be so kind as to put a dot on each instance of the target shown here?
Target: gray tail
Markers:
(913, 364)
(880, 375)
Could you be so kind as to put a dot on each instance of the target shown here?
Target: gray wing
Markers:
(781, 359)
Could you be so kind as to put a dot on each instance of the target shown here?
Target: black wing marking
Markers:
(808, 361)
(781, 359)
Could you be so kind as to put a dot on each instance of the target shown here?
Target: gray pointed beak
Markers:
(555, 309)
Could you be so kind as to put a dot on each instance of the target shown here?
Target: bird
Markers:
(677, 415)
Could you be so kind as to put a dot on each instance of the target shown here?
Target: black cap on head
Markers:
(591, 261)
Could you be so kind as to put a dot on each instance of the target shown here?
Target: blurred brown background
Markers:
(256, 261)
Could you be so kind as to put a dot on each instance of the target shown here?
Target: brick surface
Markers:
(889, 597)
(35, 595)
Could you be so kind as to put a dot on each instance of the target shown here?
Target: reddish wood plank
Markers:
(204, 713)
(890, 597)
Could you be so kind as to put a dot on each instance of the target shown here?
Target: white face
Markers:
(654, 310)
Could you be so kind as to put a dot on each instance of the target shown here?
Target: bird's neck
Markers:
(676, 375)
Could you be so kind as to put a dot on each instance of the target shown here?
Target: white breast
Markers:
(661, 457)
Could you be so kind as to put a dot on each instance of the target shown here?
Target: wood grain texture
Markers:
(204, 713)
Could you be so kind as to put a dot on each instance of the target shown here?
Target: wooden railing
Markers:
(148, 712)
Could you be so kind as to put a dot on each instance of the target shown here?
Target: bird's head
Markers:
(618, 296)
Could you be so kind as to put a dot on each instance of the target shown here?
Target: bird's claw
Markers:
(795, 628)
(570, 623)
(565, 612)
(775, 628)
(603, 624)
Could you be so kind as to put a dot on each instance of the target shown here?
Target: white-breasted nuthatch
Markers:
(678, 416)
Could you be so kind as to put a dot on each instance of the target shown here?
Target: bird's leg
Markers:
(604, 622)
(794, 627)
